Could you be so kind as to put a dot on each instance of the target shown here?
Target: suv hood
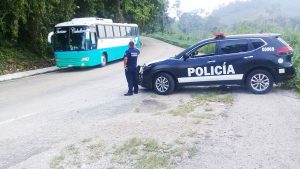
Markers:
(162, 61)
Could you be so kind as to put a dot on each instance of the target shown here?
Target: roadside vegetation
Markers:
(202, 101)
(135, 153)
(15, 59)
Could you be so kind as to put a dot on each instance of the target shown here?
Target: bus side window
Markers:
(134, 31)
(93, 41)
(101, 32)
(117, 31)
(123, 31)
(128, 31)
(109, 31)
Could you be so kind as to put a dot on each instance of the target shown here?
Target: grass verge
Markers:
(175, 39)
(148, 153)
(135, 153)
(185, 109)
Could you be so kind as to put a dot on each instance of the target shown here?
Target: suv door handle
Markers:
(248, 57)
(211, 61)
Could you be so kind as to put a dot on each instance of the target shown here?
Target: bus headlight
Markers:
(85, 59)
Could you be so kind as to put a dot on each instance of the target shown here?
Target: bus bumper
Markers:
(62, 64)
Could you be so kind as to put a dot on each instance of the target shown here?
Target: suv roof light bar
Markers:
(219, 35)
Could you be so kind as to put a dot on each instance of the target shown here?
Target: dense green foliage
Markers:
(24, 24)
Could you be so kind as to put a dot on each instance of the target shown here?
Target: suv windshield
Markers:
(70, 39)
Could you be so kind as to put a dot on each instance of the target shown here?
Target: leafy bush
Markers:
(16, 59)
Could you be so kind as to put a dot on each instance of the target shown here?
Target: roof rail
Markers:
(93, 19)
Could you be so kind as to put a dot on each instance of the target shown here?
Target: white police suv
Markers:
(256, 61)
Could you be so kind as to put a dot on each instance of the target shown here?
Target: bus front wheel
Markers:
(103, 60)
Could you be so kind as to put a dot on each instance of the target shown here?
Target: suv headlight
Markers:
(147, 67)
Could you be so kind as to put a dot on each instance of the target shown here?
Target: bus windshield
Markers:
(70, 38)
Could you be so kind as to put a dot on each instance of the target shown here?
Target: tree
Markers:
(190, 22)
(145, 13)
(176, 7)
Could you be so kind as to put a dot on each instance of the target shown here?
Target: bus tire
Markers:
(103, 60)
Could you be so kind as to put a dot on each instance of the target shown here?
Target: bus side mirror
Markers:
(50, 35)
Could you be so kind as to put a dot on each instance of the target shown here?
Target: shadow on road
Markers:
(216, 89)
(203, 90)
(83, 69)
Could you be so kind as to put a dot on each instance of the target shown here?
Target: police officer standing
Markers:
(130, 63)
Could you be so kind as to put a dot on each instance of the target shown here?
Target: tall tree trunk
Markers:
(119, 14)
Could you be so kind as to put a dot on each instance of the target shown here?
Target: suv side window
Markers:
(208, 49)
(257, 43)
(234, 46)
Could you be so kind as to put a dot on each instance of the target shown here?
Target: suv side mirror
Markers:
(195, 53)
(185, 57)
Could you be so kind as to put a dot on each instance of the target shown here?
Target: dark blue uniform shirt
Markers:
(132, 55)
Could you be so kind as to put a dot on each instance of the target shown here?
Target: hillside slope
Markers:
(255, 9)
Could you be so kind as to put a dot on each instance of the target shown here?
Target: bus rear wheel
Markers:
(103, 60)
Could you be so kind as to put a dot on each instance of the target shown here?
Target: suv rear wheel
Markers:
(164, 84)
(260, 81)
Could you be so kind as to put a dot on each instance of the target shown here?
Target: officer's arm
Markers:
(125, 62)
(126, 59)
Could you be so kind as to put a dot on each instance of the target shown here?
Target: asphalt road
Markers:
(37, 113)
(40, 111)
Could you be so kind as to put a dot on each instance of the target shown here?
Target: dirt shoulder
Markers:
(260, 131)
(161, 132)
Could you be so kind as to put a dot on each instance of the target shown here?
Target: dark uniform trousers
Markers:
(131, 76)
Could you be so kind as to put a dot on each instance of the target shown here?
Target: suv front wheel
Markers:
(260, 81)
(163, 84)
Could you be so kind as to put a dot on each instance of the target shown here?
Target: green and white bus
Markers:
(84, 42)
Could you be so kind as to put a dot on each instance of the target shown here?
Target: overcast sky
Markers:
(208, 5)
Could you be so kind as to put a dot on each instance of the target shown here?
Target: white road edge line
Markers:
(19, 75)
(18, 118)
